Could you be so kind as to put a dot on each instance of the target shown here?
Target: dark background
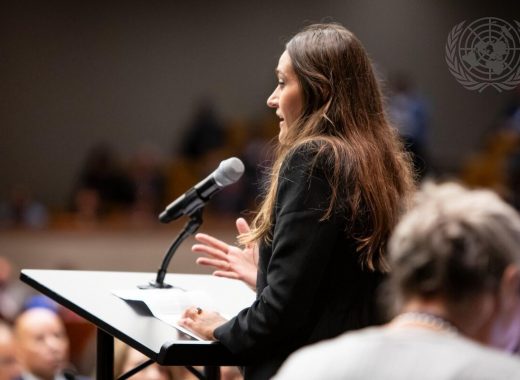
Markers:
(76, 73)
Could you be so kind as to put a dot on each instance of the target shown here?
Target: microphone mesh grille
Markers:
(229, 171)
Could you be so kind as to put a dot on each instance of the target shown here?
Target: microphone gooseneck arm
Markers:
(189, 229)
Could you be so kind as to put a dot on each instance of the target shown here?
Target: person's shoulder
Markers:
(490, 363)
(327, 356)
(338, 345)
(309, 149)
(467, 359)
(313, 156)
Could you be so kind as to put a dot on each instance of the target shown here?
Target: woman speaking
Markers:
(315, 252)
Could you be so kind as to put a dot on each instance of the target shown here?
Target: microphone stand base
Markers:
(155, 285)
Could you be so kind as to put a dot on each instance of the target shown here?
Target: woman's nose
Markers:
(272, 100)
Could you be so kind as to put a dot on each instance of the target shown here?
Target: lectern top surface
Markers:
(89, 294)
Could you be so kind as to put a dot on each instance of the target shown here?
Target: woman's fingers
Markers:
(242, 226)
(210, 240)
(228, 260)
(186, 322)
(214, 263)
(189, 312)
(210, 251)
(226, 274)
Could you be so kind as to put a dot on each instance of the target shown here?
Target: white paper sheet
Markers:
(169, 304)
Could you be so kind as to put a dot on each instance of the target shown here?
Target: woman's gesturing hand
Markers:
(229, 261)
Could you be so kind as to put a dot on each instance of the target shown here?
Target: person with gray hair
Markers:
(455, 260)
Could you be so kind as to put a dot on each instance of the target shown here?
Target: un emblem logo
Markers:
(486, 53)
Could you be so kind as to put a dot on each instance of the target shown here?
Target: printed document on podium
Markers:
(169, 304)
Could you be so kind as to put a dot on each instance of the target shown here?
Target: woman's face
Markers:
(287, 97)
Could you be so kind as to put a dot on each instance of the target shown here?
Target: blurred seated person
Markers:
(408, 113)
(200, 147)
(488, 167)
(22, 210)
(148, 181)
(41, 301)
(511, 116)
(86, 205)
(456, 268)
(80, 332)
(12, 292)
(204, 133)
(127, 358)
(495, 164)
(9, 368)
(102, 177)
(230, 373)
(42, 346)
(513, 177)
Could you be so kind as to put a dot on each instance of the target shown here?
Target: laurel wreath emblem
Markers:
(464, 78)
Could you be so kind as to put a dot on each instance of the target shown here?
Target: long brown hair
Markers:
(343, 117)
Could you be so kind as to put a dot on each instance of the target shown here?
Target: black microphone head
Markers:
(228, 172)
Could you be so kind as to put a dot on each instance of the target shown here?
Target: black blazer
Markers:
(310, 285)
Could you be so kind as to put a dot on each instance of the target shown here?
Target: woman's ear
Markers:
(510, 288)
(506, 332)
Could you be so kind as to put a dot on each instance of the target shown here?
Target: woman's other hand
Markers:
(230, 261)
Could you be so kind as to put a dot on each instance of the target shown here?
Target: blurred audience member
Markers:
(102, 186)
(22, 210)
(513, 177)
(456, 269)
(496, 163)
(79, 332)
(407, 111)
(257, 160)
(41, 301)
(86, 205)
(230, 373)
(488, 167)
(511, 127)
(42, 346)
(511, 117)
(126, 358)
(9, 367)
(204, 133)
(149, 182)
(12, 293)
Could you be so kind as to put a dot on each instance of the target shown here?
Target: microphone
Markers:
(228, 172)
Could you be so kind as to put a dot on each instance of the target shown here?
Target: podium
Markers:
(88, 294)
